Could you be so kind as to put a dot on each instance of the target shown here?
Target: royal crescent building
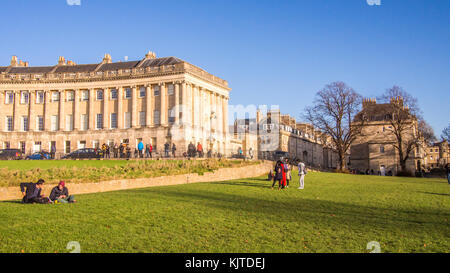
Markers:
(72, 106)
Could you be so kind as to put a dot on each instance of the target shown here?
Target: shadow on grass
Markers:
(435, 193)
(282, 207)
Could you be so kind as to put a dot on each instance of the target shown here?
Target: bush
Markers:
(132, 169)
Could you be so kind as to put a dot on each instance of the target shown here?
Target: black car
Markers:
(84, 153)
(10, 154)
(277, 155)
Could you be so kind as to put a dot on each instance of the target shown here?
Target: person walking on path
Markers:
(200, 150)
(301, 174)
(140, 148)
(174, 149)
(166, 149)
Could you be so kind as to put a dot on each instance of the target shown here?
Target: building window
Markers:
(37, 146)
(55, 96)
(99, 94)
(39, 97)
(84, 122)
(54, 123)
(70, 96)
(156, 91)
(113, 120)
(9, 126)
(9, 97)
(82, 144)
(67, 148)
(113, 94)
(142, 91)
(156, 117)
(6, 145)
(40, 123)
(170, 89)
(142, 118)
(382, 149)
(128, 93)
(24, 97)
(99, 121)
(25, 123)
(127, 120)
(171, 115)
(69, 122)
(85, 95)
(22, 146)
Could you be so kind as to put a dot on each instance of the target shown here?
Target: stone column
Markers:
(149, 110)
(201, 114)
(32, 111)
(192, 99)
(120, 108)
(47, 122)
(91, 109)
(76, 110)
(16, 116)
(163, 110)
(177, 102)
(106, 108)
(61, 112)
(184, 104)
(218, 115)
(134, 110)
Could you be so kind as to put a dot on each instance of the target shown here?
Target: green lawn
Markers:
(12, 173)
(334, 213)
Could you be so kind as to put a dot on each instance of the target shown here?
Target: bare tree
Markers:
(446, 133)
(404, 119)
(426, 132)
(335, 107)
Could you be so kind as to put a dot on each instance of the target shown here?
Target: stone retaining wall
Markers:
(13, 193)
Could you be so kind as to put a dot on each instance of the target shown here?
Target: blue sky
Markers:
(271, 52)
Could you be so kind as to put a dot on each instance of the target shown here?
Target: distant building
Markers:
(277, 133)
(437, 155)
(374, 149)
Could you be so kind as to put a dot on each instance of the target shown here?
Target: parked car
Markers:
(84, 153)
(277, 155)
(10, 154)
(238, 156)
(39, 156)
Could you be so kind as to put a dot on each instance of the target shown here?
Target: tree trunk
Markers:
(341, 161)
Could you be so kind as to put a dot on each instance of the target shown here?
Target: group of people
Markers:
(282, 174)
(124, 150)
(32, 193)
(195, 151)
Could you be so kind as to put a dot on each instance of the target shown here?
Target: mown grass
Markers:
(12, 173)
(334, 213)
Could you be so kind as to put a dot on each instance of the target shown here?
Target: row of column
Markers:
(193, 112)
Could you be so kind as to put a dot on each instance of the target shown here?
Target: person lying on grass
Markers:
(60, 193)
(33, 193)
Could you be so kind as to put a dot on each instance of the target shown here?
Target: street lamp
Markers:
(212, 116)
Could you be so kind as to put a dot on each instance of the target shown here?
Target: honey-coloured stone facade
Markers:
(71, 106)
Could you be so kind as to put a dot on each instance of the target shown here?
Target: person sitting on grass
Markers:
(33, 193)
(60, 193)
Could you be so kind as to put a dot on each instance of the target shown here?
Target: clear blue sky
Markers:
(271, 52)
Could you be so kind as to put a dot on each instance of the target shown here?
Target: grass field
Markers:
(334, 213)
(12, 173)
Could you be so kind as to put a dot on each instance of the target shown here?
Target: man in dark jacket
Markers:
(61, 194)
(33, 193)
